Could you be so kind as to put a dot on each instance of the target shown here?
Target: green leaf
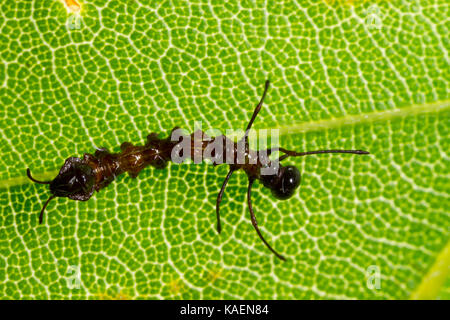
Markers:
(355, 74)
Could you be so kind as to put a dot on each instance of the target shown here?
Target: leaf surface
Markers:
(135, 67)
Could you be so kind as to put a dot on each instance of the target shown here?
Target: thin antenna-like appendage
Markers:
(219, 198)
(34, 180)
(255, 113)
(289, 153)
(41, 215)
(255, 224)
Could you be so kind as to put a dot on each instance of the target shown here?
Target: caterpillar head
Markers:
(75, 181)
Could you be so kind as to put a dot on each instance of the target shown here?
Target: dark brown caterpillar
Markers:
(79, 177)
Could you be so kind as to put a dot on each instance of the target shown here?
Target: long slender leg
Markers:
(254, 222)
(255, 113)
(41, 215)
(290, 153)
(219, 198)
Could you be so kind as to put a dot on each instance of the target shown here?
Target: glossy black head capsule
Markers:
(284, 183)
(75, 180)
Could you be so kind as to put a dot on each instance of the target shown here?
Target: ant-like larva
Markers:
(79, 177)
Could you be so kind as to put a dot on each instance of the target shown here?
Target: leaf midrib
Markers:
(435, 278)
(302, 127)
